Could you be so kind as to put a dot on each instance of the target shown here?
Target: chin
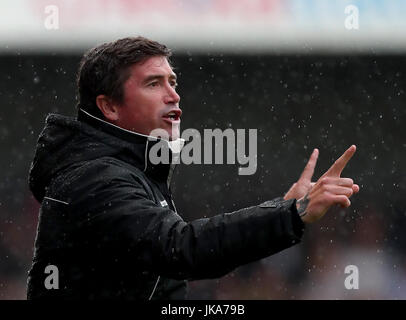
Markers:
(168, 133)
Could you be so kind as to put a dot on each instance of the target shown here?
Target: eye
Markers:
(153, 84)
(174, 84)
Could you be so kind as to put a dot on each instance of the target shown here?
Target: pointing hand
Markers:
(329, 190)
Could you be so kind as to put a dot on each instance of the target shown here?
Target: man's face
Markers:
(150, 99)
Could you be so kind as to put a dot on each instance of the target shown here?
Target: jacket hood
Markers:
(66, 142)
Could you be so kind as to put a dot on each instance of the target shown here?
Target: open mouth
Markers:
(173, 116)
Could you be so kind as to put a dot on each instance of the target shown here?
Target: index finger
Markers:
(340, 163)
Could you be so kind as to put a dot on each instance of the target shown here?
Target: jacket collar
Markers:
(141, 144)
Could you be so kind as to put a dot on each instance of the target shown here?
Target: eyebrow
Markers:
(159, 76)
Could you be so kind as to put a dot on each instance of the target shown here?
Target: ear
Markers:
(107, 107)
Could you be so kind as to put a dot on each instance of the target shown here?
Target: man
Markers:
(108, 225)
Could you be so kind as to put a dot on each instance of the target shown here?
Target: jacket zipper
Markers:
(168, 183)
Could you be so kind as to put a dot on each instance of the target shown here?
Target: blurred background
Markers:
(305, 74)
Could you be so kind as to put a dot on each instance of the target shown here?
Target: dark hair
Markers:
(104, 69)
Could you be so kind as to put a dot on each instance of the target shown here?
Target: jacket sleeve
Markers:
(119, 212)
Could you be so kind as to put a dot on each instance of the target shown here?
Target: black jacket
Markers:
(108, 223)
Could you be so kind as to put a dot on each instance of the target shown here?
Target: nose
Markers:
(172, 96)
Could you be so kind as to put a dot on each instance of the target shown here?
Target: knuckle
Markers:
(348, 181)
(345, 181)
(348, 192)
(343, 200)
(328, 197)
(346, 201)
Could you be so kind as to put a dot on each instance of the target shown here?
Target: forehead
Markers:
(151, 66)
